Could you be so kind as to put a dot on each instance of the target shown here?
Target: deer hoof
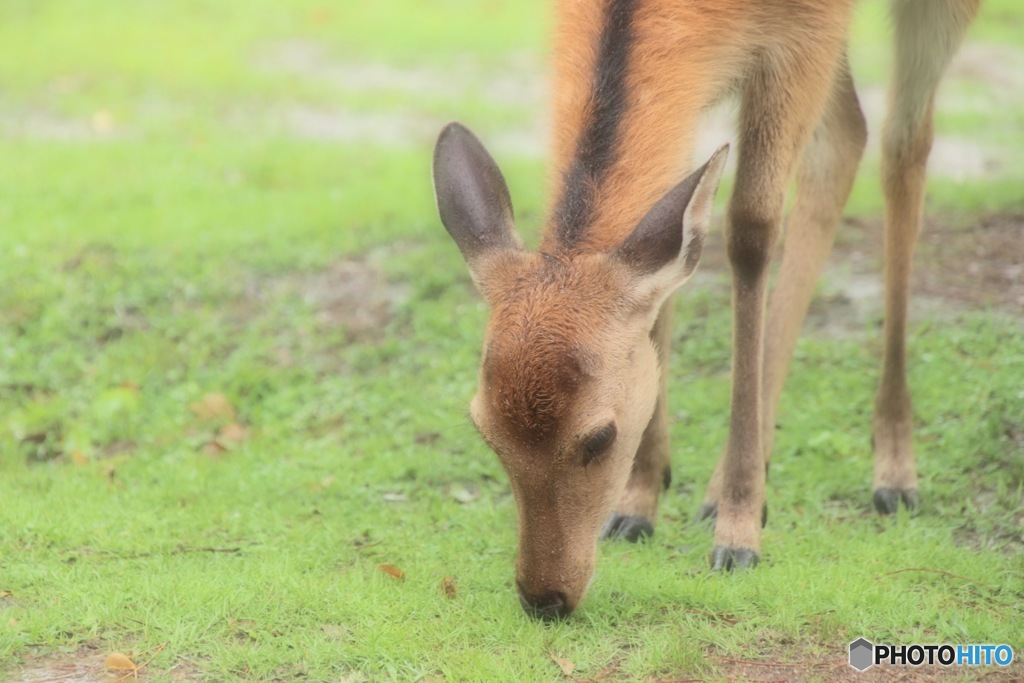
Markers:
(710, 511)
(707, 511)
(887, 501)
(727, 559)
(630, 528)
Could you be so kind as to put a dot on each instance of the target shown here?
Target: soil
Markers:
(958, 267)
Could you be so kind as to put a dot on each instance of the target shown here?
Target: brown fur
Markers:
(578, 336)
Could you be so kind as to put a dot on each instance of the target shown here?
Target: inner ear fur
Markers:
(669, 239)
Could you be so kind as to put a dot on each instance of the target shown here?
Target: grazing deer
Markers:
(572, 384)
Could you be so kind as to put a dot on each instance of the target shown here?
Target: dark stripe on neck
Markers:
(598, 141)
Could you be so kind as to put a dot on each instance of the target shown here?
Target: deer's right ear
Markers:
(472, 197)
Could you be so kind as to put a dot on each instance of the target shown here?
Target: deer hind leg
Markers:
(634, 515)
(927, 35)
(783, 99)
(826, 174)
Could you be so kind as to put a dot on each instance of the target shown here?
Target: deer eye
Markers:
(597, 442)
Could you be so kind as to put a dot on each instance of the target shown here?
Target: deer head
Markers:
(569, 376)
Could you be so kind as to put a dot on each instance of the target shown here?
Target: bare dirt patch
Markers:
(815, 669)
(352, 294)
(957, 268)
(84, 666)
(43, 124)
(87, 665)
(519, 82)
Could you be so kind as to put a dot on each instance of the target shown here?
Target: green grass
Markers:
(164, 233)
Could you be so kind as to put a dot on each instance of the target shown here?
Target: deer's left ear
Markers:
(663, 250)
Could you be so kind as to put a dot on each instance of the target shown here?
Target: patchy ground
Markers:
(88, 665)
(957, 267)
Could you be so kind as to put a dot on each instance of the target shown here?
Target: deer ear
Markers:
(666, 245)
(472, 197)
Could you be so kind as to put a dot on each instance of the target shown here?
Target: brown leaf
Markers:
(391, 570)
(565, 665)
(448, 587)
(232, 433)
(212, 406)
(214, 449)
(119, 662)
(6, 594)
(102, 121)
(130, 386)
(78, 457)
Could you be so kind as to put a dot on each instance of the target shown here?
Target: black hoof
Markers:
(887, 501)
(710, 511)
(630, 528)
(724, 558)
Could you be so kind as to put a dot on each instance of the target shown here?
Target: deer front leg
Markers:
(826, 174)
(634, 515)
(782, 102)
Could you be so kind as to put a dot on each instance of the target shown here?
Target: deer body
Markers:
(572, 386)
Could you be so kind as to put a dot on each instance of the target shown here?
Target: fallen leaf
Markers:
(78, 457)
(119, 662)
(6, 594)
(117, 448)
(213, 449)
(232, 433)
(448, 587)
(565, 665)
(213, 406)
(426, 438)
(102, 121)
(391, 570)
(130, 386)
(463, 495)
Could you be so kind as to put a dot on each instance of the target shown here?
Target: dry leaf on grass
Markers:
(565, 665)
(214, 449)
(464, 495)
(102, 121)
(391, 570)
(448, 587)
(212, 406)
(78, 457)
(232, 433)
(119, 662)
(228, 436)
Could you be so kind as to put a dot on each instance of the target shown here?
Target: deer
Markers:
(572, 386)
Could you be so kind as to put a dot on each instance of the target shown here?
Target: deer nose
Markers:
(548, 606)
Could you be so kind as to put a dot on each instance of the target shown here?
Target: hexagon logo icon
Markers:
(862, 654)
